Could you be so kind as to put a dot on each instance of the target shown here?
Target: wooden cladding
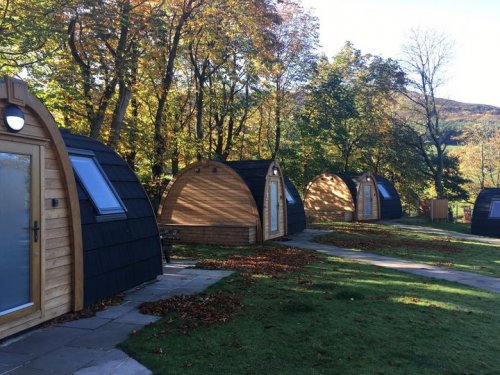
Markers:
(212, 202)
(328, 198)
(338, 197)
(59, 284)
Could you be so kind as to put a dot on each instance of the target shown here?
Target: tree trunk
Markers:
(277, 119)
(438, 179)
(119, 114)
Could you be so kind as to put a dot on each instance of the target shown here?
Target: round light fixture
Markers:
(13, 118)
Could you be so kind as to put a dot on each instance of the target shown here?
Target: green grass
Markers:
(426, 248)
(454, 227)
(335, 316)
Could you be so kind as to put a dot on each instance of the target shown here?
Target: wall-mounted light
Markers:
(197, 170)
(275, 171)
(368, 179)
(13, 118)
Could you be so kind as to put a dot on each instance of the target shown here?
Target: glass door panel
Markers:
(15, 217)
(274, 206)
(367, 195)
(19, 242)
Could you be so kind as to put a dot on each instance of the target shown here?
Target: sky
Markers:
(381, 27)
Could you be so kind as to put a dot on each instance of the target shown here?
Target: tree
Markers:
(479, 155)
(295, 39)
(425, 57)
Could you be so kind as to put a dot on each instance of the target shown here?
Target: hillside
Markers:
(466, 113)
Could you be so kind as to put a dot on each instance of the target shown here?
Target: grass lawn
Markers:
(331, 316)
(426, 248)
(455, 227)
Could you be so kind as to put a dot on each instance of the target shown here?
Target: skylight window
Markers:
(97, 185)
(383, 191)
(289, 197)
(495, 209)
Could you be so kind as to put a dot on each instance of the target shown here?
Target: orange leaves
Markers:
(267, 262)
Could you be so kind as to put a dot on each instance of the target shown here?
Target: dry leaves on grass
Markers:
(195, 310)
(273, 261)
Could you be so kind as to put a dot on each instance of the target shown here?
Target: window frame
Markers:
(493, 202)
(381, 188)
(105, 213)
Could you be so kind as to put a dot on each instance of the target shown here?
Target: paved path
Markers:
(304, 240)
(442, 232)
(87, 346)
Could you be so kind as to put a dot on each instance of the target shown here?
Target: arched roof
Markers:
(254, 173)
(482, 222)
(296, 217)
(120, 250)
(390, 208)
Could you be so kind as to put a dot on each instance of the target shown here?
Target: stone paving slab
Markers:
(88, 323)
(65, 359)
(43, 341)
(136, 317)
(304, 240)
(87, 346)
(114, 312)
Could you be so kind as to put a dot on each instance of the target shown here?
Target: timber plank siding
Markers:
(224, 203)
(58, 286)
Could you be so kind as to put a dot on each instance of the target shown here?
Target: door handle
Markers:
(35, 228)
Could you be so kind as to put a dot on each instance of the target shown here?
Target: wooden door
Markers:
(20, 233)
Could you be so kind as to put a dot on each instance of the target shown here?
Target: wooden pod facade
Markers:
(486, 213)
(328, 197)
(49, 198)
(226, 203)
(41, 272)
(344, 197)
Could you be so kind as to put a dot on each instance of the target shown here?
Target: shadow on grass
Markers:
(334, 315)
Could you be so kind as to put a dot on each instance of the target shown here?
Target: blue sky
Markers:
(381, 27)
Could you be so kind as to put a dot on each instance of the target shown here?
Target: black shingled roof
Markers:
(481, 223)
(117, 254)
(390, 208)
(296, 216)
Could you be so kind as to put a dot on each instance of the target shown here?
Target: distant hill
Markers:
(466, 113)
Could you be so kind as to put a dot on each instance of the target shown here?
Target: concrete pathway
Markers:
(304, 240)
(442, 232)
(87, 346)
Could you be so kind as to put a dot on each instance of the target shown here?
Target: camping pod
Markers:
(44, 267)
(486, 214)
(342, 197)
(296, 217)
(226, 203)
(329, 197)
(121, 243)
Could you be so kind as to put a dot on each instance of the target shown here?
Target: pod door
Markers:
(274, 207)
(276, 224)
(367, 200)
(19, 230)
